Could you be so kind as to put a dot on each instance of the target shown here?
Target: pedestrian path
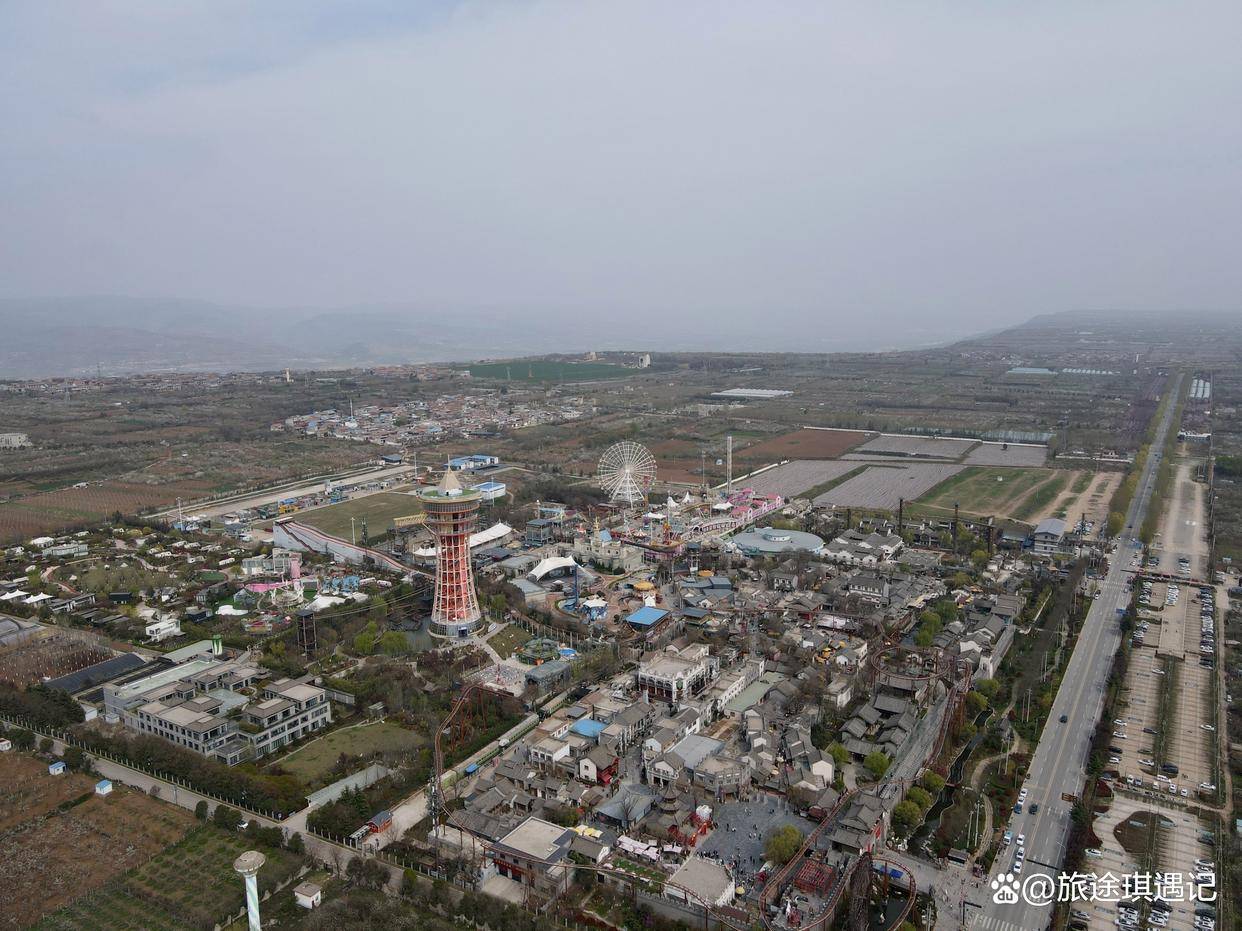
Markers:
(982, 922)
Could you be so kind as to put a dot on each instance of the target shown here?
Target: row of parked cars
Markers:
(1207, 625)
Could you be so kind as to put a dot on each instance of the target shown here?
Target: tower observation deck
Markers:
(451, 513)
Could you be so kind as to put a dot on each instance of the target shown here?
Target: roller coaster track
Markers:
(956, 673)
(319, 542)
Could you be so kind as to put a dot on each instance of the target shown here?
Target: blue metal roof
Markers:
(587, 727)
(647, 616)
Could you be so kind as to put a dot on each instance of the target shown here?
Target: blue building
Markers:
(646, 617)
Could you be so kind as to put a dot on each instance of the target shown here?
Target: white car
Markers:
(1021, 840)
(1208, 727)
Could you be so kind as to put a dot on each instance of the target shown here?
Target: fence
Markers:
(70, 740)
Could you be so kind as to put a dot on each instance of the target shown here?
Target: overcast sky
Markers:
(874, 166)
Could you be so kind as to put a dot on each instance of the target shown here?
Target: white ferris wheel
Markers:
(626, 472)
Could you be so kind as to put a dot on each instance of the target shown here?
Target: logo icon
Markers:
(1005, 889)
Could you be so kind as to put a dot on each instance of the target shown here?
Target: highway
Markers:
(1060, 759)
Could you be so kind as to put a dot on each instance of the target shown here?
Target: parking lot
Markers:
(1160, 837)
(1110, 857)
(1179, 619)
(1190, 744)
(1138, 717)
(1184, 527)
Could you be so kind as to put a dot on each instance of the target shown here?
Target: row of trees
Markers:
(243, 783)
(910, 812)
(45, 708)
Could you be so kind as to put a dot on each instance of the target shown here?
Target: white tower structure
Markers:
(249, 864)
(729, 465)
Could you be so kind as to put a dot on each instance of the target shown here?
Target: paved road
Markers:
(1061, 757)
(270, 496)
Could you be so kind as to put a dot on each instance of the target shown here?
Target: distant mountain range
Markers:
(46, 337)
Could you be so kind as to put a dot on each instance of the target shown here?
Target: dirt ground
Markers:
(53, 856)
(1091, 504)
(801, 444)
(1015, 493)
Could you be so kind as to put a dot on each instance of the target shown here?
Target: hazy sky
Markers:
(871, 161)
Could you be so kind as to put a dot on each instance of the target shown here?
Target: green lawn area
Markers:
(506, 640)
(312, 761)
(1043, 495)
(377, 510)
(982, 490)
(548, 371)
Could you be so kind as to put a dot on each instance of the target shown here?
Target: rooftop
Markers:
(707, 880)
(647, 616)
(539, 839)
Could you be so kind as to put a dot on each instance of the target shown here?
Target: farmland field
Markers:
(1025, 494)
(378, 510)
(68, 508)
(996, 454)
(316, 758)
(986, 491)
(933, 447)
(190, 884)
(793, 478)
(549, 371)
(801, 444)
(890, 457)
(66, 841)
(882, 487)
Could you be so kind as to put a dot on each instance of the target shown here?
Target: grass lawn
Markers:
(548, 371)
(983, 490)
(377, 510)
(506, 640)
(312, 761)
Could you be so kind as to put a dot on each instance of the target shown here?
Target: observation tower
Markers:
(451, 513)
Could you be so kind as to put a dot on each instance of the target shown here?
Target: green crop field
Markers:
(190, 884)
(982, 490)
(377, 510)
(549, 371)
(316, 758)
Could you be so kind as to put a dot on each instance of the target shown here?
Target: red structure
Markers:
(451, 512)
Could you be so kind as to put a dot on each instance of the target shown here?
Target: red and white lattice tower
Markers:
(451, 512)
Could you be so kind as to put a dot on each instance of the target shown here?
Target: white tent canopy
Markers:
(497, 531)
(551, 564)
